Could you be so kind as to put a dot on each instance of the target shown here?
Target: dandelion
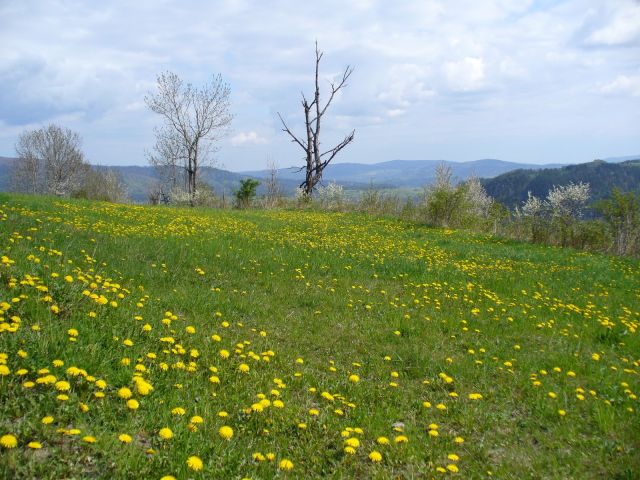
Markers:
(165, 433)
(286, 465)
(382, 441)
(8, 441)
(125, 393)
(194, 463)
(352, 442)
(133, 404)
(375, 456)
(125, 438)
(225, 432)
(34, 445)
(401, 439)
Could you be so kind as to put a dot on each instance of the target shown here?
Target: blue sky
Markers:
(527, 81)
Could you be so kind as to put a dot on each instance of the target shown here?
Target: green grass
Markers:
(452, 312)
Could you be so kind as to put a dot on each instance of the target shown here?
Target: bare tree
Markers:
(274, 191)
(194, 118)
(49, 161)
(316, 161)
(168, 159)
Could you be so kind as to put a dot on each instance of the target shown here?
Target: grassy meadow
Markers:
(151, 342)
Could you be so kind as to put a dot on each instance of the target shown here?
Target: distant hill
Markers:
(511, 188)
(621, 159)
(506, 181)
(6, 164)
(401, 173)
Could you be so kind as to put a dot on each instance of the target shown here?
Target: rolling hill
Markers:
(401, 173)
(511, 188)
(508, 182)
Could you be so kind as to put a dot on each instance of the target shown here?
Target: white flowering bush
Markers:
(568, 201)
(331, 196)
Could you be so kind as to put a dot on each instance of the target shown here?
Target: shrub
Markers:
(246, 193)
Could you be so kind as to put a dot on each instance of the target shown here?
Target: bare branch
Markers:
(313, 113)
(194, 119)
(295, 139)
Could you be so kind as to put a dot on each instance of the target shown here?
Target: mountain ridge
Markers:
(391, 174)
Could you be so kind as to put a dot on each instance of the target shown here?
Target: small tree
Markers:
(194, 118)
(566, 204)
(622, 214)
(479, 201)
(445, 202)
(316, 161)
(49, 161)
(247, 192)
(274, 191)
(532, 214)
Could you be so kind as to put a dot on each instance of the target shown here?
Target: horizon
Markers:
(533, 82)
(614, 159)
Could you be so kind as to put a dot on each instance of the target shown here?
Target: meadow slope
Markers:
(143, 342)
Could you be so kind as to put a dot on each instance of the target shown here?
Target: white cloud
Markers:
(412, 60)
(247, 138)
(405, 86)
(623, 85)
(396, 112)
(622, 27)
(466, 75)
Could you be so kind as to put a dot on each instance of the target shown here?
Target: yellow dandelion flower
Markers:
(125, 393)
(194, 463)
(375, 456)
(8, 441)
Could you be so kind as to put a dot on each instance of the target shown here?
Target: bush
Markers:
(246, 193)
(331, 196)
(622, 214)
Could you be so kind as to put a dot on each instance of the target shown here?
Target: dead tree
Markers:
(194, 118)
(316, 161)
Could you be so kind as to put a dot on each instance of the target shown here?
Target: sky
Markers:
(540, 81)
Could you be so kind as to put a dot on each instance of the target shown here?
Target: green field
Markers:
(318, 338)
